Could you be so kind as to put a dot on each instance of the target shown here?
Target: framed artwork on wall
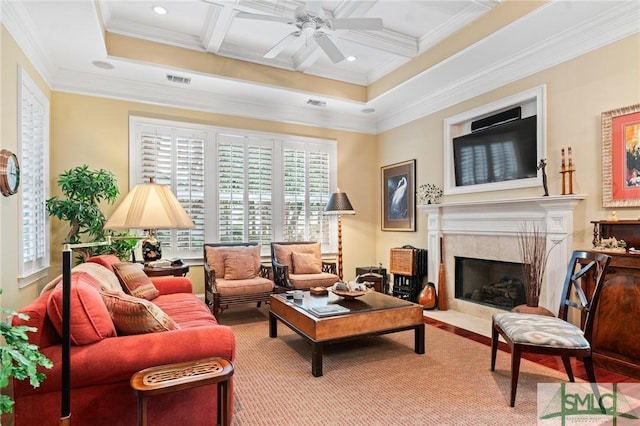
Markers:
(399, 196)
(621, 157)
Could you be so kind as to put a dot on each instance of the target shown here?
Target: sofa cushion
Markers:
(132, 315)
(305, 281)
(216, 257)
(306, 263)
(105, 277)
(106, 260)
(283, 252)
(186, 309)
(90, 319)
(134, 281)
(239, 266)
(240, 287)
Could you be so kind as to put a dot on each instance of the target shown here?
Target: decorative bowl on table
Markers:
(349, 294)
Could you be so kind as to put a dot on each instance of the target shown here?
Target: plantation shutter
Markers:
(319, 193)
(245, 182)
(307, 187)
(294, 206)
(175, 157)
(34, 167)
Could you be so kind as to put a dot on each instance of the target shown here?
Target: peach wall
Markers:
(94, 131)
(578, 91)
(12, 57)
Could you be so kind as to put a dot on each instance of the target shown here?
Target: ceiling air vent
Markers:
(178, 79)
(317, 103)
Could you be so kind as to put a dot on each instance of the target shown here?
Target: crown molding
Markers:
(579, 37)
(135, 91)
(16, 20)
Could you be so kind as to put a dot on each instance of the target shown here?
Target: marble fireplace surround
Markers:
(489, 229)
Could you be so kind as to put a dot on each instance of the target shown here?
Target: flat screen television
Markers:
(499, 153)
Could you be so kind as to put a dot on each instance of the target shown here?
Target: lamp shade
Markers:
(339, 204)
(149, 206)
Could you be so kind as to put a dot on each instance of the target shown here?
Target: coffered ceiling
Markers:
(426, 56)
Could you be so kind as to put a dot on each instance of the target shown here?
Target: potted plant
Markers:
(84, 190)
(20, 359)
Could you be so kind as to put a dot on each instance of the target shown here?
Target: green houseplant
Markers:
(20, 359)
(84, 189)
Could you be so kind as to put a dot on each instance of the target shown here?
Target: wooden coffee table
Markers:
(369, 315)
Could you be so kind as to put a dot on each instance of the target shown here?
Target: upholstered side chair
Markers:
(548, 335)
(299, 265)
(234, 275)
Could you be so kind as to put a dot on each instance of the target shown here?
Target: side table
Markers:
(184, 375)
(176, 271)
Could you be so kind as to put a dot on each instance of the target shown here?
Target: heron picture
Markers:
(398, 200)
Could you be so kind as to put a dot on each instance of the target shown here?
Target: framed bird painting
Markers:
(399, 196)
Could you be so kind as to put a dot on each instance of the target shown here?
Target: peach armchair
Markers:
(299, 265)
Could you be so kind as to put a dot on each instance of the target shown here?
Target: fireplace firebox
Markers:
(489, 282)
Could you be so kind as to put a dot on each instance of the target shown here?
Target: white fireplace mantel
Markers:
(505, 218)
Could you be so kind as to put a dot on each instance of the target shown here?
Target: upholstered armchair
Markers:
(234, 275)
(299, 265)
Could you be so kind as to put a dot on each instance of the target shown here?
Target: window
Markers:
(33, 125)
(255, 186)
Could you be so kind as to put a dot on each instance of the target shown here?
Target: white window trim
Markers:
(25, 82)
(210, 151)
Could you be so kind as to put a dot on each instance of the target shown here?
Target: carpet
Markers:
(375, 381)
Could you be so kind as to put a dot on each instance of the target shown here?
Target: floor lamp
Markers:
(339, 205)
(147, 206)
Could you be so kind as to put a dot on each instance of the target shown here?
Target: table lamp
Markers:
(339, 205)
(150, 206)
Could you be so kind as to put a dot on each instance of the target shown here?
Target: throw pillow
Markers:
(134, 281)
(216, 257)
(90, 319)
(239, 266)
(306, 263)
(132, 315)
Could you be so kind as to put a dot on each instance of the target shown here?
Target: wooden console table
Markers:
(615, 344)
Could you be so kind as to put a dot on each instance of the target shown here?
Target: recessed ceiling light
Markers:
(159, 10)
(102, 64)
(368, 110)
(351, 58)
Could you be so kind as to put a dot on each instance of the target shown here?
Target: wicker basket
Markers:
(403, 261)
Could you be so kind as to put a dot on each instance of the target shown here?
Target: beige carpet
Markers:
(375, 381)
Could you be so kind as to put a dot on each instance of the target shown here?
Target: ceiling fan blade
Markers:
(259, 17)
(355, 24)
(329, 47)
(281, 45)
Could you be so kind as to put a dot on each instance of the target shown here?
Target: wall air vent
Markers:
(178, 79)
(317, 103)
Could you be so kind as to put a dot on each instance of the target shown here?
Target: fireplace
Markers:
(492, 283)
(488, 229)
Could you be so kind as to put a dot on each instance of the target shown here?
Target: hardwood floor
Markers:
(602, 375)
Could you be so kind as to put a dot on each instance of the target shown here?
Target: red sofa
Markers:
(100, 371)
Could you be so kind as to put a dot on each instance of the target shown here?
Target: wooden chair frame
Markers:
(595, 264)
(217, 302)
(281, 271)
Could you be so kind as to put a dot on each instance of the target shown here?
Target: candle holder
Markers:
(564, 170)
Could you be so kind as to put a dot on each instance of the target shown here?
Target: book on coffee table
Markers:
(328, 310)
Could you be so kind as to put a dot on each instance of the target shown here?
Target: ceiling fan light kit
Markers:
(310, 23)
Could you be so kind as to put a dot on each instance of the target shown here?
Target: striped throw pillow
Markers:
(132, 315)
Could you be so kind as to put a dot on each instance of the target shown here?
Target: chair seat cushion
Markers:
(240, 287)
(304, 281)
(540, 330)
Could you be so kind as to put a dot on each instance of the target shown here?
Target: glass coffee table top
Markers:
(331, 304)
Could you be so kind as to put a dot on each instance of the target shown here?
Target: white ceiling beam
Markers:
(216, 26)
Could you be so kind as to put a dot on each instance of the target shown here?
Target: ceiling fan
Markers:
(311, 24)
